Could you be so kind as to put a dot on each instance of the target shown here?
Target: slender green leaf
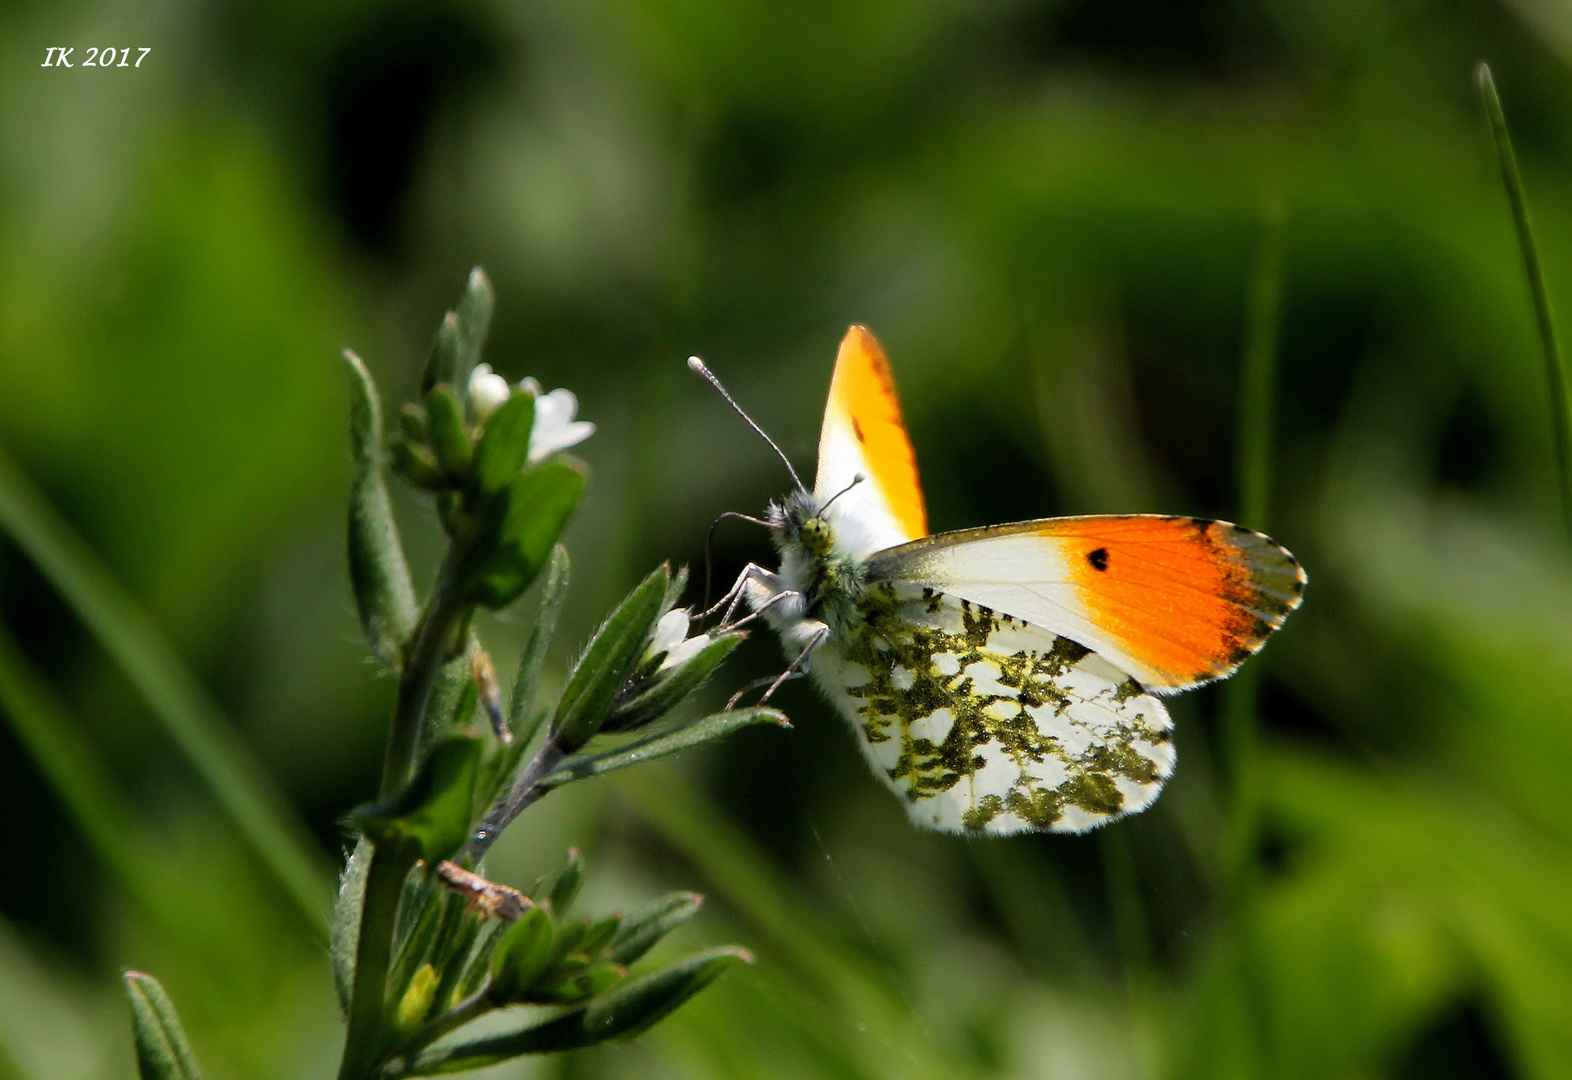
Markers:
(533, 659)
(685, 737)
(449, 434)
(564, 889)
(521, 956)
(519, 530)
(162, 1052)
(622, 1013)
(346, 920)
(178, 701)
(641, 930)
(504, 446)
(474, 323)
(417, 464)
(604, 668)
(1555, 363)
(377, 568)
(667, 689)
(442, 366)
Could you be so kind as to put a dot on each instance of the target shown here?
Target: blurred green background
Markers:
(1048, 210)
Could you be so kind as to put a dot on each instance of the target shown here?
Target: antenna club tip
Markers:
(695, 364)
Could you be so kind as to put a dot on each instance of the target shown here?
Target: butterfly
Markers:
(1006, 678)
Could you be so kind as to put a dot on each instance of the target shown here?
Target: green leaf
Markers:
(377, 569)
(623, 1012)
(442, 366)
(162, 1052)
(600, 935)
(586, 980)
(430, 818)
(685, 737)
(566, 886)
(533, 659)
(346, 920)
(611, 657)
(521, 956)
(449, 434)
(418, 465)
(504, 446)
(519, 530)
(474, 323)
(646, 926)
(666, 689)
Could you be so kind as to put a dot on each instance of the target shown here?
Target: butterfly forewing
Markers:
(984, 723)
(863, 436)
(1173, 601)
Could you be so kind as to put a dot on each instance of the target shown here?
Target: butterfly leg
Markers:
(753, 574)
(816, 639)
(760, 608)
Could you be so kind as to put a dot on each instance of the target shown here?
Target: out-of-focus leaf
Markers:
(708, 729)
(449, 434)
(621, 1013)
(430, 817)
(565, 888)
(178, 700)
(377, 569)
(604, 668)
(533, 658)
(442, 366)
(668, 688)
(474, 323)
(504, 446)
(162, 1052)
(641, 930)
(521, 956)
(519, 530)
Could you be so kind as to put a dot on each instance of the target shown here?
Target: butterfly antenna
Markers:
(709, 544)
(697, 365)
(859, 478)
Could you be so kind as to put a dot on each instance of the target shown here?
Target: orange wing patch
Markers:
(1189, 597)
(863, 403)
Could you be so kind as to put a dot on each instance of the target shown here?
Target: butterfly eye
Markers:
(815, 535)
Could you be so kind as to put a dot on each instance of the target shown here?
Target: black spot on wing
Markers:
(1098, 558)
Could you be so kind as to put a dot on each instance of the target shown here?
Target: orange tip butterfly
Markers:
(1000, 679)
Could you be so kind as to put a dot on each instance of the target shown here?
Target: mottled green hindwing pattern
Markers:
(984, 723)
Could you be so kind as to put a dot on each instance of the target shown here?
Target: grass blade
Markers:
(178, 700)
(1555, 363)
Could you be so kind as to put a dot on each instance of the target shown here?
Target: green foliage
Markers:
(518, 530)
(429, 819)
(608, 662)
(162, 1052)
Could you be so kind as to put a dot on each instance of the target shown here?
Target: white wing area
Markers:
(862, 518)
(1024, 574)
(985, 723)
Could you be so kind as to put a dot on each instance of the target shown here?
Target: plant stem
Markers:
(1555, 364)
(434, 636)
(374, 952)
(477, 1004)
(525, 790)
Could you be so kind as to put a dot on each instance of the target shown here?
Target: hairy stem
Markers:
(526, 789)
(434, 637)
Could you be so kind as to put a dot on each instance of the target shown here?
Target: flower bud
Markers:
(487, 392)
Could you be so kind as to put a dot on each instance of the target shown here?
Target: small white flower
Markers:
(555, 429)
(487, 391)
(671, 637)
(685, 651)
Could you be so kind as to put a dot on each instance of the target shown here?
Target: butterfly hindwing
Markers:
(863, 435)
(1172, 601)
(984, 723)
